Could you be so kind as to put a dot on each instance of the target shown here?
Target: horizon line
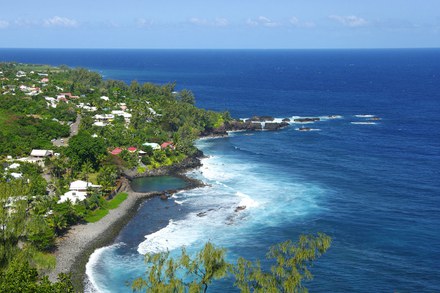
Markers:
(220, 49)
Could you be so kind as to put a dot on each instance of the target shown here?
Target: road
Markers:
(73, 131)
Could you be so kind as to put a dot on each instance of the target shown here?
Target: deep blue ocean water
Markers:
(375, 188)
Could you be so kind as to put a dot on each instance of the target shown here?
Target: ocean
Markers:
(372, 185)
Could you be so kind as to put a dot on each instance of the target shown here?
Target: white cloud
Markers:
(4, 24)
(294, 21)
(263, 21)
(218, 22)
(25, 22)
(350, 21)
(60, 21)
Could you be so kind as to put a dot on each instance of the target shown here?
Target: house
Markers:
(20, 74)
(132, 149)
(66, 95)
(80, 185)
(62, 98)
(13, 166)
(73, 196)
(127, 116)
(41, 153)
(16, 175)
(116, 151)
(44, 80)
(105, 98)
(153, 145)
(104, 117)
(100, 124)
(167, 144)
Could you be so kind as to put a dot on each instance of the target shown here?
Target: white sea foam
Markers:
(246, 200)
(363, 122)
(93, 285)
(364, 116)
(310, 129)
(331, 117)
(173, 236)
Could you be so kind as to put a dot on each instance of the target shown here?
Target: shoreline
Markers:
(75, 247)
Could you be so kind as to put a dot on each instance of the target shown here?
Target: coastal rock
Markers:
(286, 120)
(260, 119)
(275, 125)
(215, 132)
(239, 208)
(237, 125)
(307, 119)
(304, 129)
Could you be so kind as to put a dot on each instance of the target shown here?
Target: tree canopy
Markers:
(291, 263)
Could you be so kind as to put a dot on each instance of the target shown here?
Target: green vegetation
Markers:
(40, 106)
(100, 213)
(290, 267)
(96, 215)
(117, 200)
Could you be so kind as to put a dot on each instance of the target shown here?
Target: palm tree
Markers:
(86, 169)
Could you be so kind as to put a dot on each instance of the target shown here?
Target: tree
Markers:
(187, 96)
(290, 267)
(40, 234)
(83, 147)
(86, 169)
(106, 178)
(21, 277)
(186, 274)
(13, 218)
(163, 271)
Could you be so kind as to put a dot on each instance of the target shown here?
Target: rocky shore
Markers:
(76, 246)
(256, 123)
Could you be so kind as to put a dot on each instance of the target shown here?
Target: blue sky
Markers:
(232, 24)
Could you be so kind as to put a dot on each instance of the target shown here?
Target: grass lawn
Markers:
(44, 261)
(117, 200)
(97, 215)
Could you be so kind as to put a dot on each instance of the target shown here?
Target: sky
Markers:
(221, 24)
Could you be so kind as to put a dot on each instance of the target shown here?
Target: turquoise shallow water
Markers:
(159, 183)
(374, 188)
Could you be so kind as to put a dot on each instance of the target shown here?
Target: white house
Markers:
(73, 196)
(20, 74)
(100, 124)
(16, 175)
(13, 166)
(41, 153)
(104, 117)
(153, 145)
(105, 98)
(80, 185)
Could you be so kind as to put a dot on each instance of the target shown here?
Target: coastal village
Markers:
(69, 141)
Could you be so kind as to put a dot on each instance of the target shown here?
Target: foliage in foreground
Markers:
(290, 267)
(21, 277)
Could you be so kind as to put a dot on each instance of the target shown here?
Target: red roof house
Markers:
(116, 151)
(132, 149)
(167, 144)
